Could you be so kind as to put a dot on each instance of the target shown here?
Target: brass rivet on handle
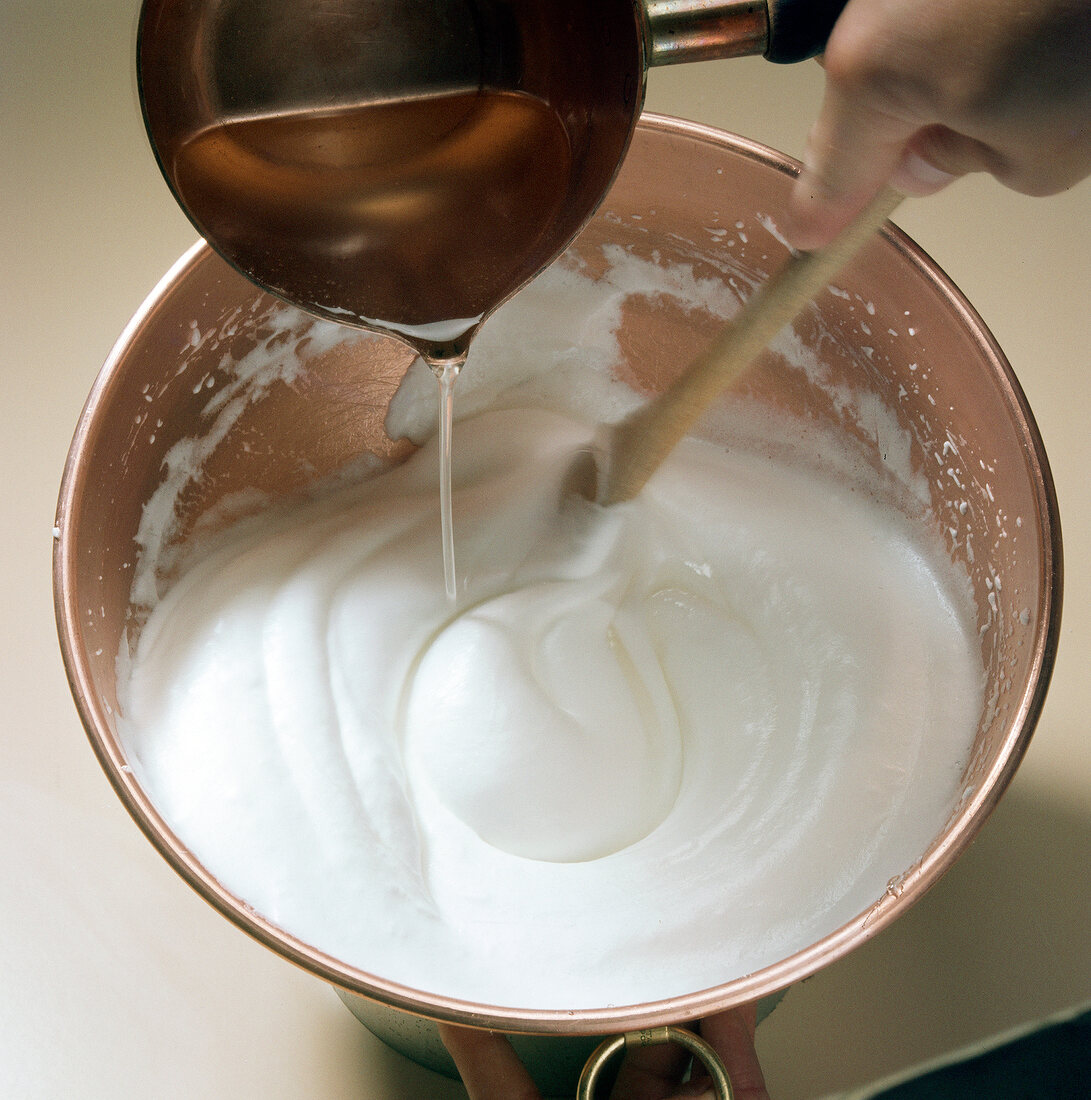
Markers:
(655, 1036)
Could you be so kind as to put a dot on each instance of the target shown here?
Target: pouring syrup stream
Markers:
(446, 373)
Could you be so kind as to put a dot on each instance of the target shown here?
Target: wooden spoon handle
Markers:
(641, 441)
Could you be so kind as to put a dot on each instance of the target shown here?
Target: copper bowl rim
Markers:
(902, 892)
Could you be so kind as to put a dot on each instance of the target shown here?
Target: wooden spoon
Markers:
(638, 444)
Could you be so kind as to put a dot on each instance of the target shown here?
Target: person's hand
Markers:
(919, 92)
(491, 1070)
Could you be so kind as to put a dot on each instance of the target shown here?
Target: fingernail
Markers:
(916, 175)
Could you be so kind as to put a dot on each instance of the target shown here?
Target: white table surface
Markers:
(117, 981)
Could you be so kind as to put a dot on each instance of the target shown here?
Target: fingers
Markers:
(731, 1035)
(852, 154)
(920, 92)
(489, 1067)
(854, 149)
(650, 1073)
(873, 129)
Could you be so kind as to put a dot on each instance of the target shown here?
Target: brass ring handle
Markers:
(654, 1036)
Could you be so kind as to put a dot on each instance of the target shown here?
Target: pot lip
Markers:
(901, 892)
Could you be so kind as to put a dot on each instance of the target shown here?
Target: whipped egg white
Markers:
(646, 750)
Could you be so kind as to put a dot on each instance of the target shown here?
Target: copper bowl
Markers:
(894, 328)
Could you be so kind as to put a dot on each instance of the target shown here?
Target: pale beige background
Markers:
(116, 980)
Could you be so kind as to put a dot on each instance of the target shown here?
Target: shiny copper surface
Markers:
(390, 164)
(896, 328)
(697, 30)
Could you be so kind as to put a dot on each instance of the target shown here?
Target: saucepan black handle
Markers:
(799, 29)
